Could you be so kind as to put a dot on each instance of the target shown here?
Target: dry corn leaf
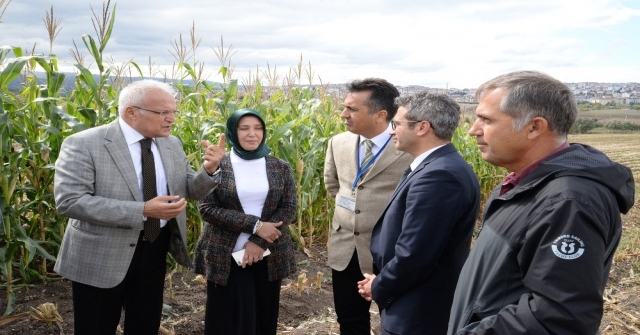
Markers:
(200, 279)
(47, 312)
(301, 281)
(165, 331)
(307, 252)
(8, 319)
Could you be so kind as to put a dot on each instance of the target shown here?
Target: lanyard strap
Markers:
(363, 169)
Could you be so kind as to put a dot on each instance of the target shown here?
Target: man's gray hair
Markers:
(135, 93)
(442, 112)
(533, 94)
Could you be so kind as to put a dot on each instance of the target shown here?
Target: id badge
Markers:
(348, 203)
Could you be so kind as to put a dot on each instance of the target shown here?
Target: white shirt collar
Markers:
(422, 157)
(380, 139)
(130, 135)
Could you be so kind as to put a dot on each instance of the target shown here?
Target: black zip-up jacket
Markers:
(542, 259)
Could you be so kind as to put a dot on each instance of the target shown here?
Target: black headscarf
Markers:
(232, 135)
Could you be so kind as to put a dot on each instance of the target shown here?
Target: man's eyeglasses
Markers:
(163, 113)
(394, 123)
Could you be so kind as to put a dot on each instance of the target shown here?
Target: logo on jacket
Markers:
(568, 247)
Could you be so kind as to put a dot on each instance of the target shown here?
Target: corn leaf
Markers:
(11, 71)
(56, 79)
(11, 302)
(90, 43)
(140, 73)
(107, 35)
(71, 120)
(34, 248)
(43, 63)
(87, 77)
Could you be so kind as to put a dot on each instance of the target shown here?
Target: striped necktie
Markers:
(368, 156)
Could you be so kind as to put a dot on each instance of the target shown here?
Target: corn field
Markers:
(37, 117)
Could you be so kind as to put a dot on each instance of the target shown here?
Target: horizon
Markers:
(637, 83)
(424, 43)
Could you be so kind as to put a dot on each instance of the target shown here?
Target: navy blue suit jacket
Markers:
(421, 241)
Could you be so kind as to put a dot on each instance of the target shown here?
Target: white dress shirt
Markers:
(378, 143)
(422, 156)
(133, 138)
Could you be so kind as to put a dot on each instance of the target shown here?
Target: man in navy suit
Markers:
(422, 239)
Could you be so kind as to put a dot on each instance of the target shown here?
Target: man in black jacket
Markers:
(550, 230)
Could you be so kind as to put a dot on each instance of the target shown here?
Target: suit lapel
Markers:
(346, 155)
(119, 151)
(433, 156)
(403, 182)
(386, 158)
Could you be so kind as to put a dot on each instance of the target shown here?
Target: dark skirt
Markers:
(248, 305)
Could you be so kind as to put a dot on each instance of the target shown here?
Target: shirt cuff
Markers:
(213, 174)
(215, 177)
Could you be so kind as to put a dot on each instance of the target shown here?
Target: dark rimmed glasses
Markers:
(394, 123)
(163, 113)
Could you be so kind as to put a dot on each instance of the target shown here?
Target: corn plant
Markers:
(488, 175)
(28, 127)
(36, 118)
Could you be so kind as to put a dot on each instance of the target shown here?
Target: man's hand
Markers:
(364, 286)
(213, 154)
(165, 207)
(252, 254)
(269, 231)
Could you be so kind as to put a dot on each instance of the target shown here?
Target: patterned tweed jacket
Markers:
(225, 220)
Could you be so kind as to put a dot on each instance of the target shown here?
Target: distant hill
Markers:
(605, 115)
(68, 84)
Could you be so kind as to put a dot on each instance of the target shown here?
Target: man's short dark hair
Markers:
(382, 96)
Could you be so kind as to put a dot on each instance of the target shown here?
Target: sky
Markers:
(438, 44)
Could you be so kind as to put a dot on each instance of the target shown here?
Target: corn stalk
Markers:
(37, 114)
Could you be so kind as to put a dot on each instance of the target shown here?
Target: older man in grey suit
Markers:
(123, 186)
(361, 171)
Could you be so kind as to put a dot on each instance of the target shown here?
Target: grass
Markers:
(604, 115)
(621, 297)
(629, 248)
(622, 148)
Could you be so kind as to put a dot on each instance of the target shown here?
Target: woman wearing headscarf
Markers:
(249, 210)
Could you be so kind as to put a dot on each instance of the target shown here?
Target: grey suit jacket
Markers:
(352, 230)
(97, 188)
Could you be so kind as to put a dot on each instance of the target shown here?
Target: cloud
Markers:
(426, 42)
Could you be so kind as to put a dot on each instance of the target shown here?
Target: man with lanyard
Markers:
(361, 172)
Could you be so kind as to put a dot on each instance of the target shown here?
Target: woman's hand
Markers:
(252, 254)
(269, 231)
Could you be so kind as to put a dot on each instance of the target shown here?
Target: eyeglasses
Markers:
(394, 123)
(163, 113)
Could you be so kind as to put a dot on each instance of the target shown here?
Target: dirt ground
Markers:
(309, 313)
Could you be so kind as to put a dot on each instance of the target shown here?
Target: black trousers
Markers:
(248, 305)
(352, 309)
(97, 310)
